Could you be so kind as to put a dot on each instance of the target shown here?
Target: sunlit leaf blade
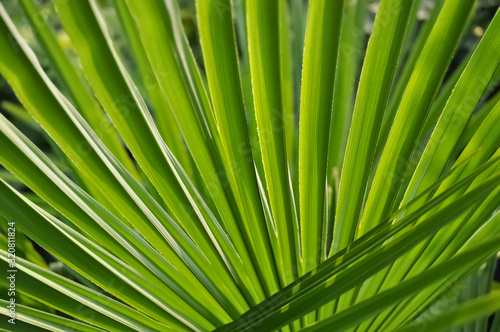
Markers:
(442, 97)
(79, 253)
(286, 74)
(420, 91)
(377, 75)
(436, 249)
(473, 228)
(78, 88)
(360, 312)
(19, 113)
(405, 74)
(298, 15)
(351, 51)
(376, 79)
(24, 247)
(443, 139)
(74, 136)
(159, 22)
(477, 284)
(485, 141)
(45, 320)
(322, 35)
(69, 297)
(4, 324)
(462, 102)
(220, 55)
(330, 279)
(113, 86)
(479, 118)
(37, 172)
(167, 124)
(318, 77)
(265, 63)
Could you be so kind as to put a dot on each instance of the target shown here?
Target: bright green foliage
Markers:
(276, 173)
(318, 76)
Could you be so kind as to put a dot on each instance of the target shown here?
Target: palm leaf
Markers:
(249, 165)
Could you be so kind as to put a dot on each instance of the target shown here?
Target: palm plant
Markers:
(183, 194)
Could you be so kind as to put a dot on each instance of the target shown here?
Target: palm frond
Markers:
(268, 172)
